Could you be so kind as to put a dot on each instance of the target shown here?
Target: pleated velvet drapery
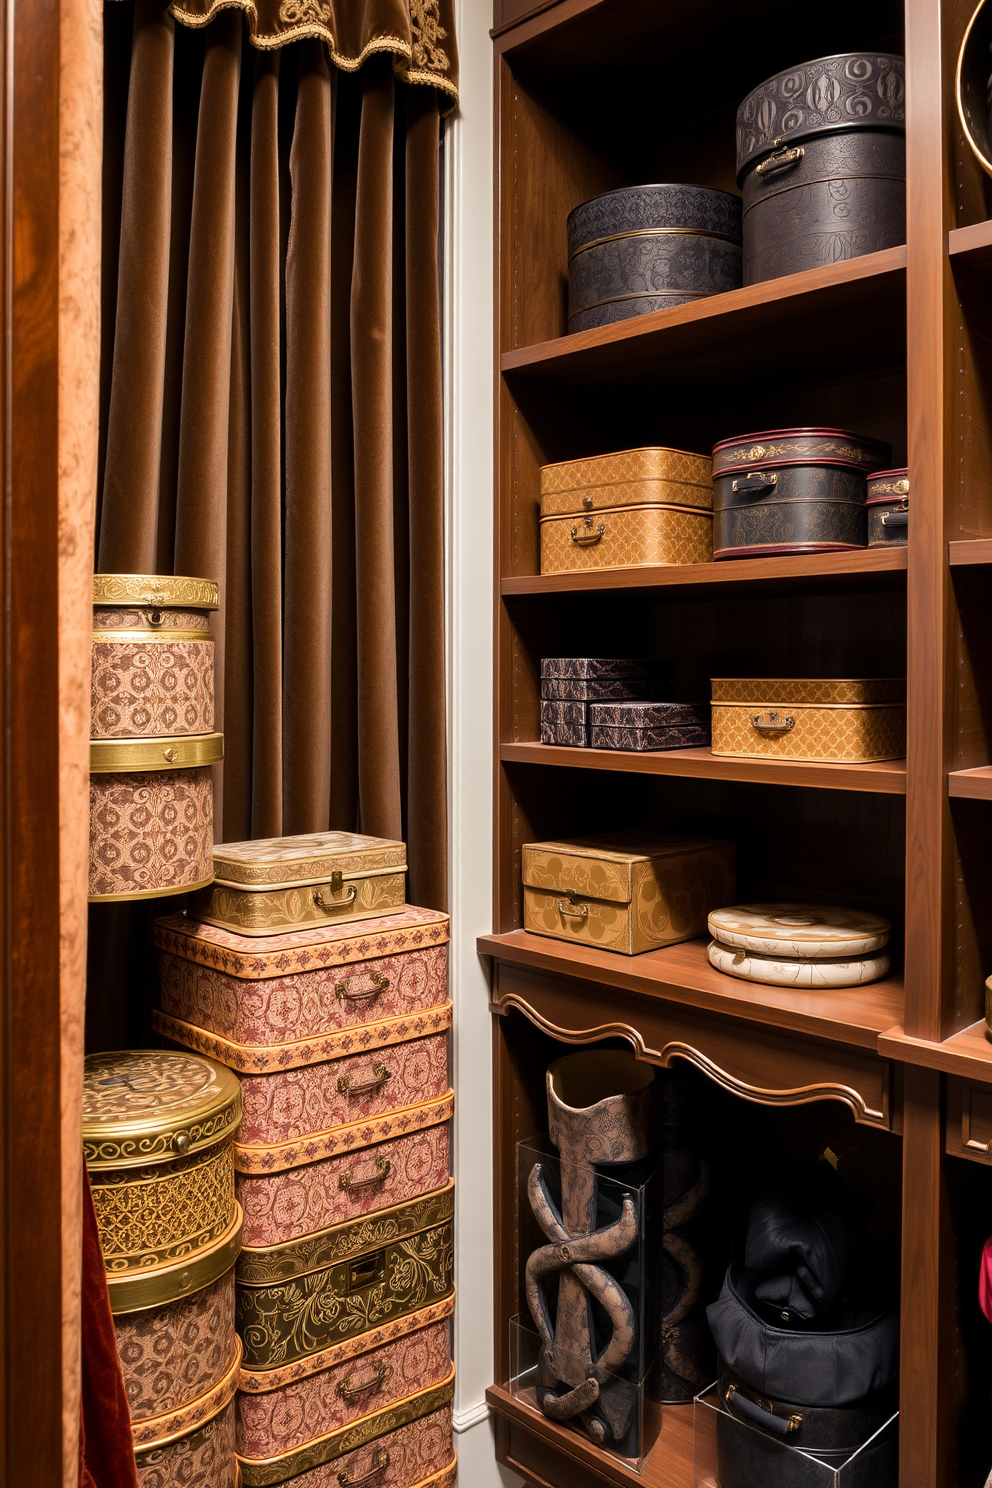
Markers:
(271, 402)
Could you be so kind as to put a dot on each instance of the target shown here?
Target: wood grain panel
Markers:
(969, 1120)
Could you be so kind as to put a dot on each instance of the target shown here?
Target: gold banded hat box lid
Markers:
(625, 892)
(974, 73)
(158, 1140)
(651, 247)
(292, 883)
(630, 509)
(888, 508)
(153, 656)
(819, 720)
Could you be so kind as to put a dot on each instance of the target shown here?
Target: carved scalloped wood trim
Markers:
(800, 1095)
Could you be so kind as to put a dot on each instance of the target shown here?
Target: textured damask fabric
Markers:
(150, 831)
(204, 1459)
(172, 1354)
(141, 690)
(413, 1453)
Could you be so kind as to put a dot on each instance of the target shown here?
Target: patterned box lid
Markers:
(284, 862)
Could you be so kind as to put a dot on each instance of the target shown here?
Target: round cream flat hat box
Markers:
(781, 971)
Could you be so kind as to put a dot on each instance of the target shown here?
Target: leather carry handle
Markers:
(755, 480)
(760, 1415)
(587, 538)
(380, 1461)
(383, 1168)
(782, 159)
(380, 1076)
(349, 1390)
(897, 518)
(380, 984)
(772, 722)
(571, 911)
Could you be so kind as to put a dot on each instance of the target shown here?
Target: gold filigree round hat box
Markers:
(158, 1134)
(152, 742)
(814, 946)
(153, 656)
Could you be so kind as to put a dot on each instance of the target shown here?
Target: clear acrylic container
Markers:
(617, 1410)
(731, 1453)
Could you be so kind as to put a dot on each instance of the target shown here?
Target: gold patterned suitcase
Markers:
(302, 1302)
(835, 720)
(625, 892)
(280, 884)
(627, 510)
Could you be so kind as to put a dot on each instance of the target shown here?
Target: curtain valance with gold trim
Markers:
(420, 34)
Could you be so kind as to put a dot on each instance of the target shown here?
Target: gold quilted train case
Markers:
(832, 720)
(627, 510)
(292, 883)
(625, 892)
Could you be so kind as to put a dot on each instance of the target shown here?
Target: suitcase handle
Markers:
(897, 518)
(383, 1168)
(760, 1415)
(380, 1076)
(781, 159)
(566, 910)
(328, 904)
(772, 723)
(380, 984)
(380, 1461)
(348, 1390)
(756, 480)
(589, 537)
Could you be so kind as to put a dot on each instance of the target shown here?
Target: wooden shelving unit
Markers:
(897, 345)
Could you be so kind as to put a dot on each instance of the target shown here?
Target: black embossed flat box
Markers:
(565, 723)
(647, 248)
(792, 491)
(888, 508)
(648, 725)
(821, 159)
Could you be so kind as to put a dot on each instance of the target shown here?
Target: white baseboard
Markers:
(471, 1415)
(477, 1465)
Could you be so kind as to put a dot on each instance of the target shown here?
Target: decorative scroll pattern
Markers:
(113, 618)
(262, 913)
(151, 1217)
(163, 1091)
(298, 1319)
(343, 1140)
(849, 91)
(274, 862)
(298, 1202)
(158, 1430)
(145, 691)
(405, 1450)
(156, 590)
(171, 1355)
(151, 832)
(286, 1419)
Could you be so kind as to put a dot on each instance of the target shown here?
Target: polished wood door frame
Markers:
(30, 1198)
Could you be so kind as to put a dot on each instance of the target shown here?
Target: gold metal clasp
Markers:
(772, 722)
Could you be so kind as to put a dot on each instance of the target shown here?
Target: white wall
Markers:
(469, 544)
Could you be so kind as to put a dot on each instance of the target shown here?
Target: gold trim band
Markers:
(169, 892)
(264, 1472)
(152, 637)
(659, 294)
(137, 1293)
(139, 756)
(159, 1431)
(172, 591)
(338, 1141)
(656, 232)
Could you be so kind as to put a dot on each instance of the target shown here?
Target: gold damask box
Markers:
(292, 883)
(625, 892)
(818, 720)
(627, 510)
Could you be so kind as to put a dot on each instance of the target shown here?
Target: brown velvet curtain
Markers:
(272, 404)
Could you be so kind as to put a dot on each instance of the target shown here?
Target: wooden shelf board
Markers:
(683, 974)
(871, 567)
(670, 1464)
(888, 777)
(743, 333)
(972, 245)
(968, 1053)
(971, 785)
(969, 550)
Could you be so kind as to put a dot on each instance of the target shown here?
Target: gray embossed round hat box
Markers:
(647, 248)
(821, 159)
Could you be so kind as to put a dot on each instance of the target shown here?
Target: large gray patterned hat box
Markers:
(648, 248)
(821, 159)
